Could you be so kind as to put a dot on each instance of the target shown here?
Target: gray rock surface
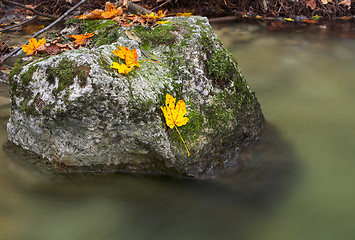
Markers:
(73, 110)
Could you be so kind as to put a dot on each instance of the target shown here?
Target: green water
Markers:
(301, 185)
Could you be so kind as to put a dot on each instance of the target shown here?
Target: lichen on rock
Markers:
(73, 109)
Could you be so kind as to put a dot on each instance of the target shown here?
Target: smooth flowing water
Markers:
(299, 186)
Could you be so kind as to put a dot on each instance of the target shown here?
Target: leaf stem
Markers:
(188, 153)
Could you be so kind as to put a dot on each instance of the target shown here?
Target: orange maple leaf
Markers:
(310, 21)
(131, 59)
(122, 52)
(110, 11)
(32, 45)
(174, 115)
(82, 38)
(130, 56)
(161, 14)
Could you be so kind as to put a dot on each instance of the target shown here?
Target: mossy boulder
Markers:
(73, 110)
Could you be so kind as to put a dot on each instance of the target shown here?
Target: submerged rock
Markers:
(72, 109)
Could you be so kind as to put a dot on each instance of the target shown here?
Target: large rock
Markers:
(74, 110)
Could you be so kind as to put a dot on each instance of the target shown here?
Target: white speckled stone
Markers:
(114, 122)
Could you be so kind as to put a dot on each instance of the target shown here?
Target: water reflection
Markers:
(268, 165)
(147, 207)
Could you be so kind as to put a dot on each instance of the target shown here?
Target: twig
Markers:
(31, 9)
(4, 45)
(18, 25)
(223, 19)
(166, 2)
(45, 29)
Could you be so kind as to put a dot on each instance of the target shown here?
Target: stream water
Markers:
(300, 187)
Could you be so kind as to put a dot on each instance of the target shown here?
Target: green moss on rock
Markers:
(221, 69)
(107, 31)
(221, 66)
(27, 76)
(190, 131)
(15, 70)
(161, 34)
(66, 71)
(221, 110)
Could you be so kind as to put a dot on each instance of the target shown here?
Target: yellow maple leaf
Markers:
(163, 22)
(122, 68)
(152, 16)
(32, 45)
(81, 39)
(185, 14)
(174, 115)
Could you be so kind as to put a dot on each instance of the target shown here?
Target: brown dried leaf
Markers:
(139, 20)
(131, 35)
(59, 39)
(95, 14)
(125, 24)
(53, 49)
(120, 11)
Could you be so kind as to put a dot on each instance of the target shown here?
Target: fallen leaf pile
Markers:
(174, 115)
(313, 3)
(123, 19)
(130, 60)
(154, 16)
(53, 48)
(109, 13)
(129, 57)
(147, 19)
(41, 47)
